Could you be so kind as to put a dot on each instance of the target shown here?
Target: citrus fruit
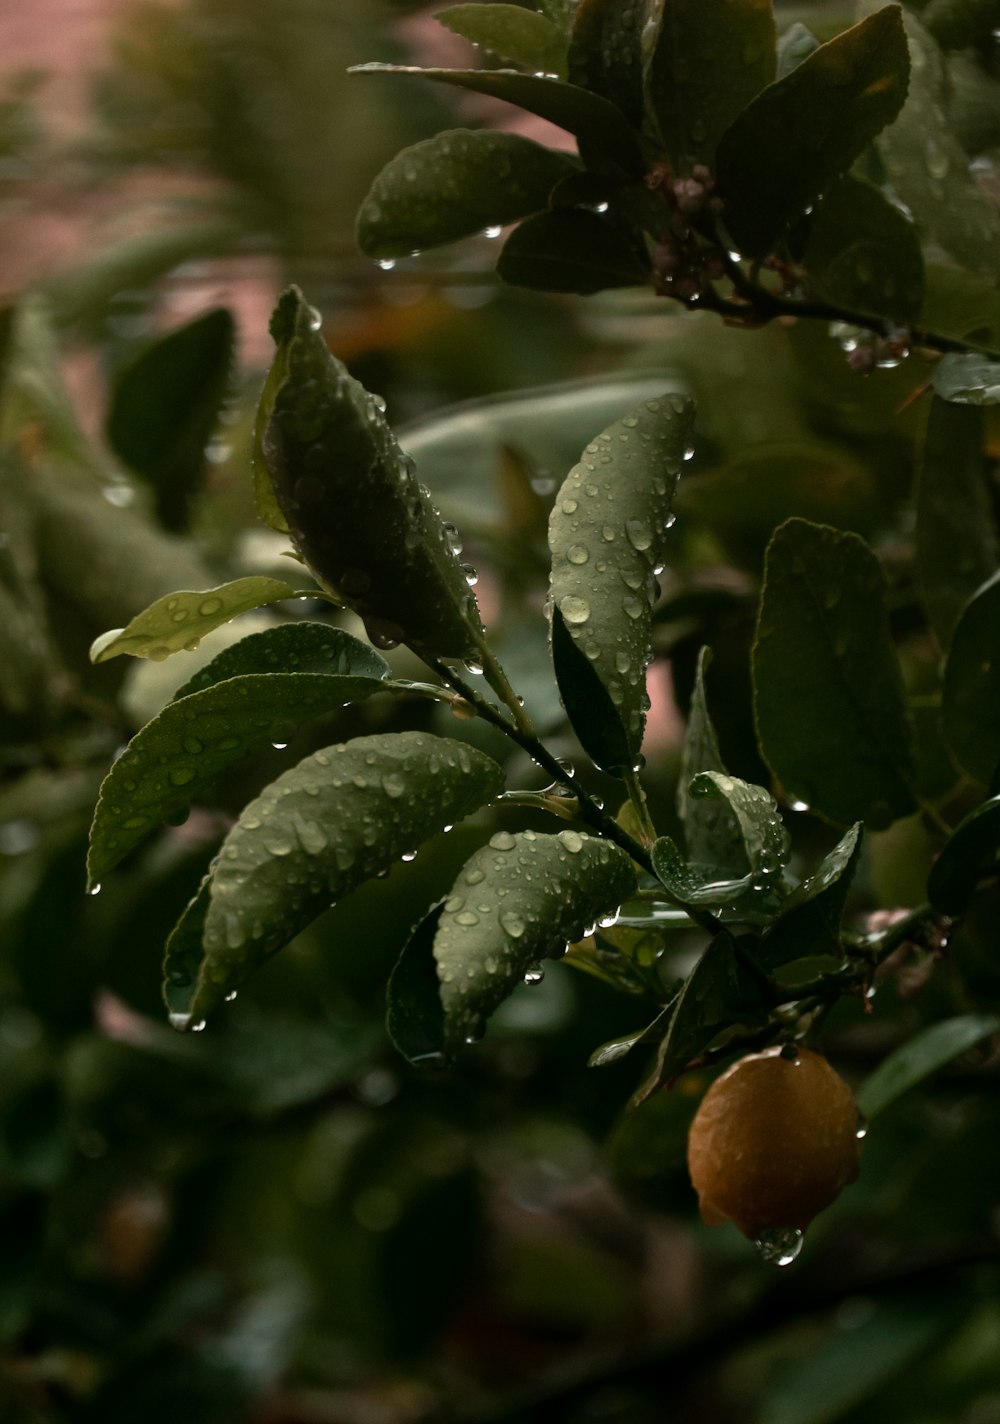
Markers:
(774, 1142)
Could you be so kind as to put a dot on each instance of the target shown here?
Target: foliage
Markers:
(780, 507)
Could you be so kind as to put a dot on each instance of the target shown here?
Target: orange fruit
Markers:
(774, 1141)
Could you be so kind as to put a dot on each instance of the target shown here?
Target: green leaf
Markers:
(514, 35)
(955, 536)
(605, 54)
(796, 44)
(716, 994)
(339, 818)
(455, 184)
(967, 379)
(357, 513)
(742, 899)
(864, 252)
(180, 620)
(572, 251)
(805, 130)
(929, 170)
(766, 843)
(969, 856)
(712, 834)
(587, 702)
(830, 705)
(414, 1016)
(809, 923)
(922, 1055)
(707, 60)
(601, 130)
(220, 718)
(972, 685)
(608, 533)
(518, 900)
(165, 405)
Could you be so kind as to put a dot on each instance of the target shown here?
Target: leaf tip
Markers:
(102, 649)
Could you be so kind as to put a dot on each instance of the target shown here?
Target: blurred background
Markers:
(280, 1222)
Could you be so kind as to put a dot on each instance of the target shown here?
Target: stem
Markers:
(760, 305)
(497, 679)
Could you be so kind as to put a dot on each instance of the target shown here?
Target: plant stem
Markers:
(497, 679)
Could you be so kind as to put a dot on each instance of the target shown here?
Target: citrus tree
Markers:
(786, 502)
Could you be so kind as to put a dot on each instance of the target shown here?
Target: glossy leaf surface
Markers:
(357, 513)
(180, 620)
(707, 60)
(455, 184)
(221, 718)
(520, 899)
(829, 701)
(608, 532)
(968, 379)
(711, 832)
(805, 130)
(324, 827)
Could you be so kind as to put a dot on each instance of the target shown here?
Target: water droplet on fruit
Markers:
(779, 1245)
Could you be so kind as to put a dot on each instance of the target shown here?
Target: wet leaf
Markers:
(357, 513)
(514, 35)
(766, 843)
(806, 129)
(601, 130)
(164, 407)
(830, 705)
(519, 899)
(716, 994)
(864, 252)
(223, 716)
(928, 1051)
(180, 620)
(711, 832)
(605, 54)
(928, 168)
(955, 535)
(707, 60)
(702, 885)
(414, 1015)
(587, 702)
(809, 923)
(972, 685)
(967, 379)
(970, 855)
(608, 533)
(456, 184)
(335, 820)
(572, 251)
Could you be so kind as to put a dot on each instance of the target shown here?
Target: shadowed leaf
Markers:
(972, 685)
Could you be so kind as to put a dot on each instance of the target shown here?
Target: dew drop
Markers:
(577, 554)
(574, 610)
(94, 890)
(534, 975)
(386, 263)
(861, 1127)
(779, 1245)
(512, 924)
